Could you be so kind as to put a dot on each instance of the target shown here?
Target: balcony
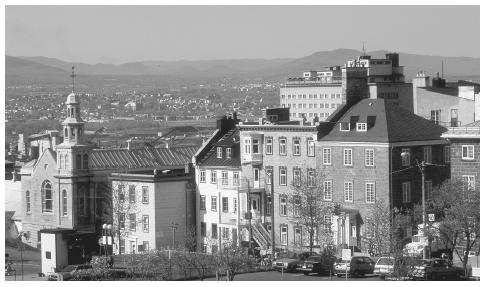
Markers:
(252, 158)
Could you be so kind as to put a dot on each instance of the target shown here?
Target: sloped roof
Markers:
(146, 157)
(386, 122)
(230, 139)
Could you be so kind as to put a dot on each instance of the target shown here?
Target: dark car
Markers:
(70, 272)
(318, 264)
(290, 262)
(436, 269)
(357, 266)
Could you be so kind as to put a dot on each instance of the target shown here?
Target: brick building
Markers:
(465, 153)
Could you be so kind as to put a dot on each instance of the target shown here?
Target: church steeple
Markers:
(73, 125)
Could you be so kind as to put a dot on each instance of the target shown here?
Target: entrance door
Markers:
(255, 204)
(256, 178)
(133, 247)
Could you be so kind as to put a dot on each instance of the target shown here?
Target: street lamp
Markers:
(173, 227)
(421, 167)
(106, 237)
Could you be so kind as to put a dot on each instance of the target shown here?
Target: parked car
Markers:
(384, 266)
(71, 272)
(318, 264)
(436, 269)
(289, 262)
(357, 266)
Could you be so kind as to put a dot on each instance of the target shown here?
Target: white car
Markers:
(384, 266)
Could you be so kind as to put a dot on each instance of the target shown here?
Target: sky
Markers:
(120, 34)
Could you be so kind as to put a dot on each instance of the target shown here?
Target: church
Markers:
(67, 191)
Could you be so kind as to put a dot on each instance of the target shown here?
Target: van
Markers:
(357, 266)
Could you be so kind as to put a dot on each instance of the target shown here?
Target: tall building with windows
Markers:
(464, 153)
(360, 157)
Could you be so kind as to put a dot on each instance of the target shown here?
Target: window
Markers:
(269, 145)
(347, 157)
(333, 106)
(297, 177)
(427, 154)
(64, 202)
(348, 191)
(469, 181)
(361, 127)
(370, 192)
(132, 222)
(235, 205)
(214, 203)
(145, 194)
(27, 201)
(225, 204)
(282, 146)
(213, 176)
(369, 157)
(296, 146)
(311, 147)
(224, 177)
(236, 178)
(122, 246)
(297, 236)
(229, 152)
(297, 205)
(345, 127)
(47, 197)
(202, 202)
(406, 158)
(78, 161)
(145, 223)
(268, 174)
(203, 229)
(82, 196)
(446, 154)
(204, 248)
(282, 175)
(268, 205)
(202, 176)
(428, 189)
(311, 177)
(327, 190)
(132, 193)
(247, 146)
(283, 208)
(255, 146)
(122, 220)
(85, 161)
(284, 235)
(468, 152)
(225, 233)
(214, 230)
(219, 152)
(326, 156)
(435, 116)
(327, 223)
(406, 192)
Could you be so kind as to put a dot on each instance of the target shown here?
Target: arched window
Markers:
(27, 201)
(68, 112)
(64, 202)
(82, 202)
(78, 161)
(66, 132)
(47, 197)
(85, 162)
(61, 161)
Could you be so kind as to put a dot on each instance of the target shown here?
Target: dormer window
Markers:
(345, 127)
(228, 152)
(361, 127)
(220, 152)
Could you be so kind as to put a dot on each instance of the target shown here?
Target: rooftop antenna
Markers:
(442, 69)
(363, 49)
(73, 77)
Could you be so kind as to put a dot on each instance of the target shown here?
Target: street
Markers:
(30, 272)
(278, 276)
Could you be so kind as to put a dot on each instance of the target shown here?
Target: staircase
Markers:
(261, 235)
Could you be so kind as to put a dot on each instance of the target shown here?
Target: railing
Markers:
(447, 124)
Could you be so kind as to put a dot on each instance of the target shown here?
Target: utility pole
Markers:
(173, 227)
(272, 215)
(424, 222)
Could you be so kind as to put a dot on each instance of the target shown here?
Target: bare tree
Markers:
(310, 204)
(378, 226)
(234, 259)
